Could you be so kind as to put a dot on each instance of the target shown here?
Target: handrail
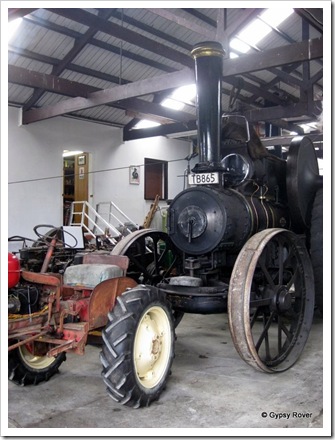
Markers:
(111, 215)
(91, 220)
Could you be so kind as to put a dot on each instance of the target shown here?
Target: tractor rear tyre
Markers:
(27, 368)
(138, 347)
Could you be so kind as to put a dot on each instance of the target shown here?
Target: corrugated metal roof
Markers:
(140, 44)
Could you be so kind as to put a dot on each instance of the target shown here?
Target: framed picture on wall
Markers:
(81, 160)
(134, 175)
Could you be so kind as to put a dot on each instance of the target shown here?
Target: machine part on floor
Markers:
(152, 256)
(138, 347)
(29, 364)
(271, 301)
(316, 247)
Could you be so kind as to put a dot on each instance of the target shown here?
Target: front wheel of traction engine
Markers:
(138, 347)
(271, 300)
(29, 365)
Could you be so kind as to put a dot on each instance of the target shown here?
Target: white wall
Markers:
(35, 169)
(114, 184)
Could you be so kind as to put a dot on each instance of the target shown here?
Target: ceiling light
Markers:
(185, 94)
(67, 153)
(145, 123)
(255, 32)
(181, 96)
(172, 103)
(252, 34)
(276, 16)
(239, 45)
(12, 27)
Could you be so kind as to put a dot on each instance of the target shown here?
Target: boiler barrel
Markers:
(202, 219)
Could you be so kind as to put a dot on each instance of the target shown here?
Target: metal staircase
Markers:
(107, 220)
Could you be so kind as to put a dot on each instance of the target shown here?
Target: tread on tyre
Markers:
(27, 369)
(138, 347)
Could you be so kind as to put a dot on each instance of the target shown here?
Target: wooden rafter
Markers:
(298, 52)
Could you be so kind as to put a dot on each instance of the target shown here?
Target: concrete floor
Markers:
(210, 388)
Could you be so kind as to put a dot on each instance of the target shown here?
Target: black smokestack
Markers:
(208, 75)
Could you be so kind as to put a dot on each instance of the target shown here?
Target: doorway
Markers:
(75, 183)
(155, 179)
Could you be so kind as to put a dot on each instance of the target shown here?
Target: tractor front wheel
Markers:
(138, 346)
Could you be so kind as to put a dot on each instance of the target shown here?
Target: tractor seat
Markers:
(89, 275)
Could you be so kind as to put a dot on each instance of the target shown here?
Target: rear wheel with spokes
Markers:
(152, 256)
(271, 300)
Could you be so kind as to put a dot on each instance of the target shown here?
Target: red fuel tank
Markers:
(13, 270)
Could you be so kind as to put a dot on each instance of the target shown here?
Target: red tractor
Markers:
(50, 313)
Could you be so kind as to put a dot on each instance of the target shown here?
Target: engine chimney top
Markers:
(208, 75)
(207, 49)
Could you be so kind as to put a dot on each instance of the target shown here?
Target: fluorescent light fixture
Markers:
(145, 123)
(172, 104)
(252, 34)
(12, 27)
(67, 153)
(239, 45)
(185, 93)
(181, 96)
(275, 16)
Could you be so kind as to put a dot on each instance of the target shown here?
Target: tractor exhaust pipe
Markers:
(208, 76)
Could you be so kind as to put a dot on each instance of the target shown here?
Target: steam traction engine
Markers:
(236, 243)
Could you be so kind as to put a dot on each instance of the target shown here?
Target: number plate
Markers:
(203, 178)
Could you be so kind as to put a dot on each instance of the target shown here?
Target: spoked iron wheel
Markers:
(271, 300)
(152, 256)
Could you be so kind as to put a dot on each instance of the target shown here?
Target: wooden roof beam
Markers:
(54, 84)
(117, 93)
(269, 114)
(165, 13)
(306, 50)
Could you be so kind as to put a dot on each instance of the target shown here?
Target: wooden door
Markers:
(155, 179)
(81, 178)
(75, 185)
(81, 184)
